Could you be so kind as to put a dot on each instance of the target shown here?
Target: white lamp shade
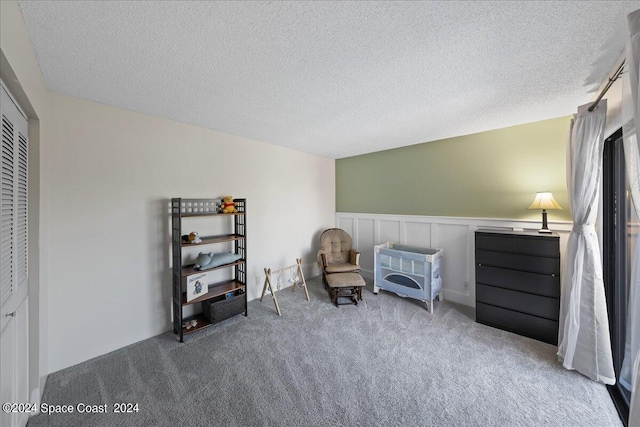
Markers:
(544, 200)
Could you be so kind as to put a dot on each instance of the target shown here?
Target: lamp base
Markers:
(544, 229)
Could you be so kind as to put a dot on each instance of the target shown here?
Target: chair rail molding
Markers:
(455, 235)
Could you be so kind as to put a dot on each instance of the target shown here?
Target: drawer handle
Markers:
(11, 314)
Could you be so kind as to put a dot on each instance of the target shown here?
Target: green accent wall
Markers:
(493, 174)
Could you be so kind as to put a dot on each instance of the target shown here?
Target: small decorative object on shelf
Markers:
(194, 238)
(196, 286)
(210, 260)
(214, 298)
(190, 324)
(228, 205)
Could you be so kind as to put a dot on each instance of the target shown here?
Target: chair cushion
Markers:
(342, 267)
(344, 280)
(336, 243)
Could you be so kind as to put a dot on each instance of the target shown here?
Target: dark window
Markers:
(617, 216)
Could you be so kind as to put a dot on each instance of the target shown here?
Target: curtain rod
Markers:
(612, 79)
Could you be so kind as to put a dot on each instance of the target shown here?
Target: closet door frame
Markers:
(14, 311)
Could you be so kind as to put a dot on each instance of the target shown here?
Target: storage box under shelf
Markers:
(218, 310)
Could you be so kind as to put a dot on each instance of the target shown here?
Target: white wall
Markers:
(613, 96)
(99, 259)
(110, 174)
(455, 235)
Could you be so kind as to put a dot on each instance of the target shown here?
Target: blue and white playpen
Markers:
(408, 271)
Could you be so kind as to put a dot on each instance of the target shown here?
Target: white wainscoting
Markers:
(452, 234)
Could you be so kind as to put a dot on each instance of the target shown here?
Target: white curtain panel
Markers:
(634, 406)
(583, 337)
(630, 106)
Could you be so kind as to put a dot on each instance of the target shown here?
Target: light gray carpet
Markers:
(386, 362)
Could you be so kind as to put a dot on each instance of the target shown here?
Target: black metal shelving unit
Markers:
(185, 208)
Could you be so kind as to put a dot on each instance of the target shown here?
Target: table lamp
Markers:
(544, 200)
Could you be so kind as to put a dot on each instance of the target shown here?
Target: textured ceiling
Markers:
(334, 79)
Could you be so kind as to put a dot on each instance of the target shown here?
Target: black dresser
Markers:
(518, 282)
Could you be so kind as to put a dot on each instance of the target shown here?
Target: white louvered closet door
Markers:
(14, 335)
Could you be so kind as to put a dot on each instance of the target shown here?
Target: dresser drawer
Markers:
(535, 305)
(528, 263)
(531, 326)
(533, 283)
(519, 244)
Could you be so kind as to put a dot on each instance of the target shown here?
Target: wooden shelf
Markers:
(215, 290)
(188, 270)
(215, 239)
(202, 323)
(185, 215)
